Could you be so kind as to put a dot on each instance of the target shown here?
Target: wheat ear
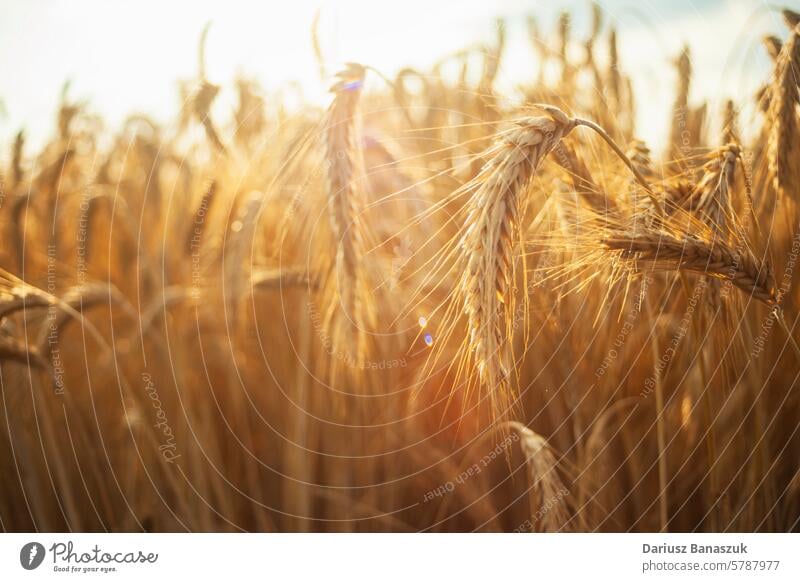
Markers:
(17, 173)
(693, 255)
(614, 82)
(711, 197)
(782, 102)
(582, 180)
(730, 125)
(495, 213)
(344, 199)
(545, 491)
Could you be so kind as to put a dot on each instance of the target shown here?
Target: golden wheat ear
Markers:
(489, 248)
(716, 259)
(783, 133)
(348, 292)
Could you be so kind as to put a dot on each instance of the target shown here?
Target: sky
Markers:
(127, 56)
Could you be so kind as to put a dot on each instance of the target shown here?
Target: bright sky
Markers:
(126, 56)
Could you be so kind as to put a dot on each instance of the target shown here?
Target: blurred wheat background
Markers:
(540, 280)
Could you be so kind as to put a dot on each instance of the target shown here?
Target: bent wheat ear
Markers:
(495, 213)
(715, 260)
(492, 59)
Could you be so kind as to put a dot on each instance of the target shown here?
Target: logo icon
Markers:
(31, 555)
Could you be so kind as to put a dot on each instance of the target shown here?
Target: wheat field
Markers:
(425, 306)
